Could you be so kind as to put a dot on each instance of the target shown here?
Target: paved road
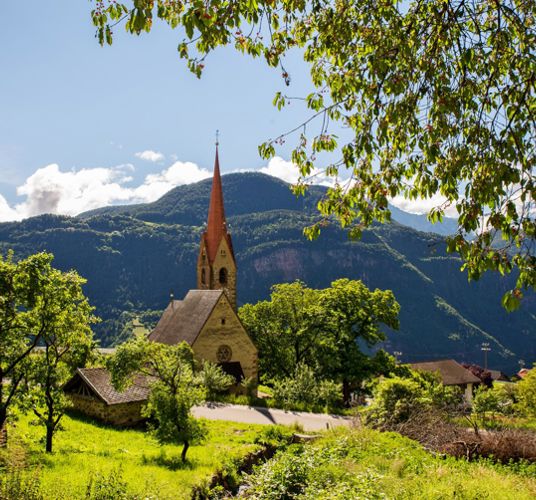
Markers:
(256, 415)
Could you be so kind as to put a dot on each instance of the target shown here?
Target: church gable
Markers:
(224, 339)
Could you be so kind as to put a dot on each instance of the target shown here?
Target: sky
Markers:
(83, 126)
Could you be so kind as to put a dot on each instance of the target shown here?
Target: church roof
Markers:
(216, 224)
(183, 320)
(100, 383)
(451, 372)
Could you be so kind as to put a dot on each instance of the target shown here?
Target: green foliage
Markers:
(306, 335)
(106, 487)
(16, 484)
(396, 399)
(526, 394)
(214, 379)
(87, 450)
(175, 386)
(438, 98)
(40, 305)
(63, 316)
(364, 464)
(304, 391)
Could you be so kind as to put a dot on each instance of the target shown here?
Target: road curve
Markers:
(257, 415)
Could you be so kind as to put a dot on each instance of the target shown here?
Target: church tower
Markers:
(216, 266)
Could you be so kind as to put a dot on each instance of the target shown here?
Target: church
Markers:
(206, 319)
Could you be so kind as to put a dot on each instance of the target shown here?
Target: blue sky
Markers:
(83, 126)
(66, 101)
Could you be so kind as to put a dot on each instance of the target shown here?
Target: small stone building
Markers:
(206, 319)
(451, 373)
(92, 393)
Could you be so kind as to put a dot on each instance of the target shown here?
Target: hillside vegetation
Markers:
(134, 256)
(87, 451)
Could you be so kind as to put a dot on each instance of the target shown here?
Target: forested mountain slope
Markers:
(133, 256)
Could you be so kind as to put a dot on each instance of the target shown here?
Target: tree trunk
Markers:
(50, 433)
(184, 450)
(3, 428)
(346, 392)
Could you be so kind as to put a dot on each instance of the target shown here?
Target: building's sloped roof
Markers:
(499, 375)
(451, 372)
(100, 383)
(183, 320)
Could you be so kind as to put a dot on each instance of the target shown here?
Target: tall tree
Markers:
(324, 330)
(63, 316)
(20, 284)
(356, 315)
(176, 386)
(439, 96)
(287, 329)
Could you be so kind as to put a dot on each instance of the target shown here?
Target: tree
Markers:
(526, 394)
(176, 387)
(323, 330)
(438, 95)
(20, 293)
(355, 314)
(63, 315)
(289, 329)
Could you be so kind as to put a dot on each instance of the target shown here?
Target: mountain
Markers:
(133, 256)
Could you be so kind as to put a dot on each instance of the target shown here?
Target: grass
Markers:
(368, 464)
(85, 448)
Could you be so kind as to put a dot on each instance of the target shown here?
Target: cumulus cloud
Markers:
(51, 190)
(150, 155)
(423, 205)
(288, 172)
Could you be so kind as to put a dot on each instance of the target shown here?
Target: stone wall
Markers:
(223, 328)
(118, 414)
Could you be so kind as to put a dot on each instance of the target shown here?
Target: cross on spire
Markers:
(217, 137)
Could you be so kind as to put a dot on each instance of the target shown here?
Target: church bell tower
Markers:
(216, 266)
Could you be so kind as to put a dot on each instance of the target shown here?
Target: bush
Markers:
(112, 486)
(304, 391)
(396, 399)
(526, 394)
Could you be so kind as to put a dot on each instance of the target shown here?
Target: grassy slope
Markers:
(85, 448)
(355, 464)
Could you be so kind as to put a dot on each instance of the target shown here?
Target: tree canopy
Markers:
(439, 96)
(176, 383)
(326, 331)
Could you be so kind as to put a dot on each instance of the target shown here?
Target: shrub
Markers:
(215, 380)
(526, 394)
(101, 487)
(304, 391)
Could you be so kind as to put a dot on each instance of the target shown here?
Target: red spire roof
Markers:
(216, 225)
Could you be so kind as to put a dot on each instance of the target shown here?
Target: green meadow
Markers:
(86, 449)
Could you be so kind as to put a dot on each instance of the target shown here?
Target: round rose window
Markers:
(224, 353)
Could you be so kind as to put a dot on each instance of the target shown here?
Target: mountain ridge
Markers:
(133, 256)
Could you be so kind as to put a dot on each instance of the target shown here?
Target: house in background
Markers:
(451, 373)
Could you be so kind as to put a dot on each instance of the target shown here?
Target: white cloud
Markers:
(150, 155)
(423, 205)
(51, 190)
(288, 172)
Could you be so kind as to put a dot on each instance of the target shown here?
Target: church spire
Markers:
(216, 267)
(216, 224)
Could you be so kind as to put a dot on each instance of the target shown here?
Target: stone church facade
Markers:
(206, 319)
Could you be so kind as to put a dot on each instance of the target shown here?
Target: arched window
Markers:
(203, 277)
(223, 276)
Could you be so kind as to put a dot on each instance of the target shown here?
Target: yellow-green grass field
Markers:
(85, 448)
